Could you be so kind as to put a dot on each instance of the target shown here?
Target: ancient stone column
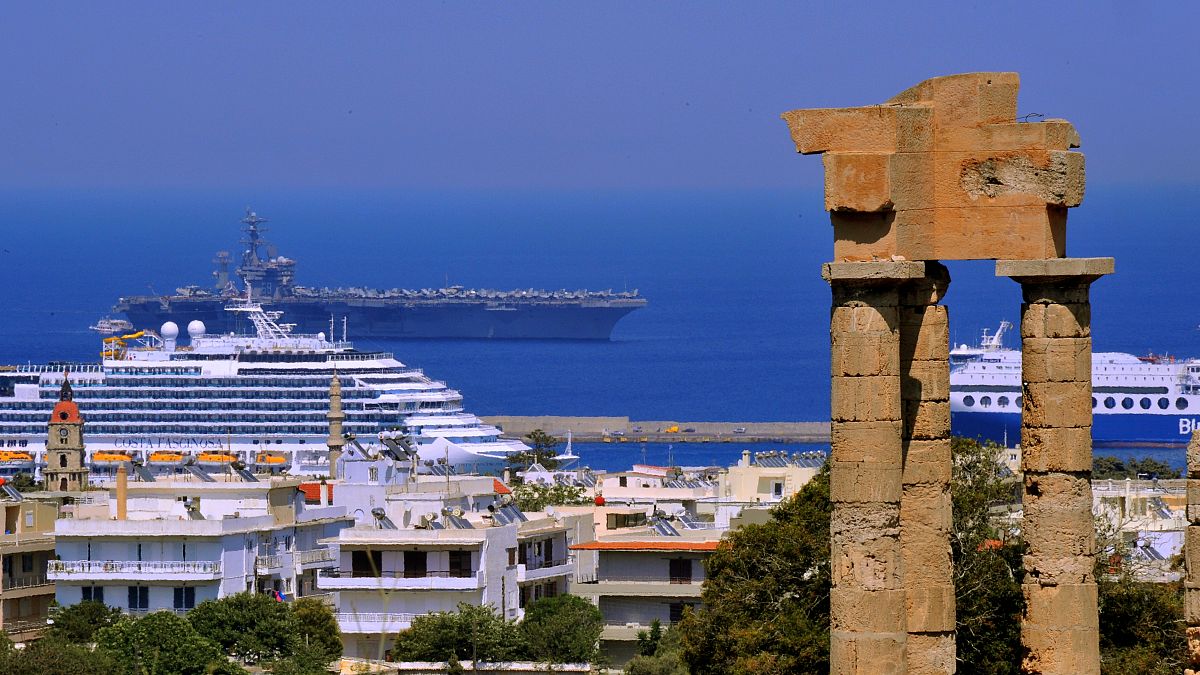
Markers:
(925, 506)
(1060, 629)
(1191, 556)
(867, 608)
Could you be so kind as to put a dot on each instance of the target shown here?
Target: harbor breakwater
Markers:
(623, 429)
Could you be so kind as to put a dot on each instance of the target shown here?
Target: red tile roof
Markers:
(652, 545)
(500, 488)
(312, 492)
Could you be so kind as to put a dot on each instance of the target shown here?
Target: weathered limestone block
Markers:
(856, 355)
(1056, 320)
(865, 399)
(1062, 606)
(924, 333)
(878, 321)
(931, 653)
(1052, 651)
(1057, 404)
(1193, 500)
(926, 420)
(944, 171)
(925, 380)
(1191, 552)
(1066, 449)
(871, 611)
(863, 483)
(865, 546)
(874, 442)
(927, 462)
(1193, 457)
(1059, 528)
(856, 653)
(1056, 359)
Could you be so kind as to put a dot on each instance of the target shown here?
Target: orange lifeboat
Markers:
(222, 458)
(270, 459)
(165, 457)
(109, 457)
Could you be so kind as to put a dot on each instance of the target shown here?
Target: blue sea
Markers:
(737, 325)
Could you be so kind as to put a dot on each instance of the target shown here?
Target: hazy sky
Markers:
(558, 95)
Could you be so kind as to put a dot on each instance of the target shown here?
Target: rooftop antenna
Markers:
(331, 333)
(345, 322)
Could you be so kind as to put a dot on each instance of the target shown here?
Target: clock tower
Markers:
(65, 469)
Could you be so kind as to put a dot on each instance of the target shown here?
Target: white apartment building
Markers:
(428, 543)
(643, 574)
(172, 544)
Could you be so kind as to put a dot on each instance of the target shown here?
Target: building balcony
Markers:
(374, 622)
(268, 564)
(344, 580)
(639, 585)
(545, 569)
(11, 544)
(24, 628)
(134, 570)
(26, 585)
(316, 557)
(139, 613)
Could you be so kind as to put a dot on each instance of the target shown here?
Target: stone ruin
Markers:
(946, 171)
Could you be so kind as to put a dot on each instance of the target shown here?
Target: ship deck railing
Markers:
(69, 367)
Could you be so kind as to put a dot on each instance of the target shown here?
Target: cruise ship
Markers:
(258, 397)
(1136, 400)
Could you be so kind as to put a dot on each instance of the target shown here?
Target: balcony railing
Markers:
(399, 574)
(134, 567)
(24, 625)
(387, 618)
(641, 578)
(539, 564)
(27, 581)
(268, 562)
(139, 613)
(315, 555)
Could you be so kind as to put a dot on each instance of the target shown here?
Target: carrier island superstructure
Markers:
(451, 312)
(258, 397)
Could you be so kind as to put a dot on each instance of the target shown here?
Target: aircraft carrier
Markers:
(453, 312)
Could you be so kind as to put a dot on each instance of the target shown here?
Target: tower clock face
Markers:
(62, 433)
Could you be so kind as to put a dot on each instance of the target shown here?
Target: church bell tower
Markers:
(65, 469)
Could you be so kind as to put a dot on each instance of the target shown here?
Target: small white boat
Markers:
(107, 326)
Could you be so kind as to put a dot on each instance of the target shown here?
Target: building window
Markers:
(1181, 403)
(512, 557)
(968, 401)
(777, 489)
(62, 461)
(185, 598)
(26, 562)
(460, 564)
(139, 597)
(95, 593)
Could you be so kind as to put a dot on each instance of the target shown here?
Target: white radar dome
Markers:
(196, 328)
(169, 330)
(321, 336)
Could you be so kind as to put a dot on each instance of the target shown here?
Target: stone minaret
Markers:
(65, 468)
(335, 442)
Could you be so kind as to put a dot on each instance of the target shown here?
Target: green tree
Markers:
(1109, 467)
(562, 629)
(251, 627)
(473, 631)
(542, 450)
(766, 596)
(316, 627)
(24, 482)
(647, 642)
(78, 623)
(536, 497)
(665, 659)
(304, 660)
(53, 656)
(162, 643)
(987, 561)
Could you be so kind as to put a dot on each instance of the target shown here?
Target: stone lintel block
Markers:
(858, 181)
(990, 178)
(925, 380)
(931, 653)
(867, 611)
(864, 129)
(865, 399)
(864, 483)
(875, 442)
(855, 355)
(1057, 404)
(1050, 134)
(924, 333)
(930, 608)
(1193, 455)
(881, 272)
(1067, 606)
(855, 653)
(966, 99)
(1056, 449)
(927, 462)
(864, 237)
(1056, 359)
(1057, 320)
(926, 420)
(1055, 270)
(975, 233)
(1050, 651)
(862, 319)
